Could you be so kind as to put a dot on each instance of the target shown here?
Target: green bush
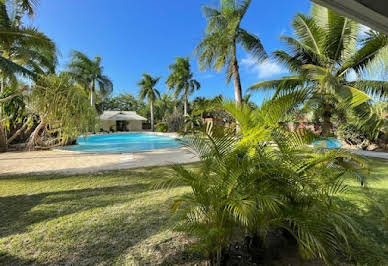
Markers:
(246, 186)
(161, 127)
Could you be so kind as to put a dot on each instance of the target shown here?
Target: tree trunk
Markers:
(3, 139)
(327, 126)
(236, 79)
(92, 94)
(3, 132)
(152, 115)
(185, 112)
(17, 133)
(33, 140)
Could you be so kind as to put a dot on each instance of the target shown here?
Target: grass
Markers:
(115, 218)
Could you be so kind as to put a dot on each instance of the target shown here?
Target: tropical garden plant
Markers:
(218, 49)
(148, 91)
(266, 179)
(58, 99)
(326, 50)
(89, 73)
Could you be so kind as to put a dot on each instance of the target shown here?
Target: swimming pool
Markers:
(121, 143)
(330, 143)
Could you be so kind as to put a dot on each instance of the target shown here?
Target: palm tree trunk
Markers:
(152, 115)
(92, 93)
(3, 132)
(33, 140)
(185, 113)
(236, 78)
(17, 133)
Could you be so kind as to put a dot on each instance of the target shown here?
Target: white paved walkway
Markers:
(374, 154)
(65, 162)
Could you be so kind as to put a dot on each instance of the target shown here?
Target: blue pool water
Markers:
(119, 143)
(330, 143)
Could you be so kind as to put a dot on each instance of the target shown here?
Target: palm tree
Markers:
(322, 55)
(181, 79)
(89, 74)
(218, 49)
(24, 50)
(21, 7)
(148, 90)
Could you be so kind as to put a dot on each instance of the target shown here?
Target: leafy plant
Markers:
(264, 179)
(162, 127)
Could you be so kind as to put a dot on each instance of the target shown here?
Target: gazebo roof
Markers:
(121, 116)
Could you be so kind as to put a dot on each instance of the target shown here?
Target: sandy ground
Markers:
(65, 162)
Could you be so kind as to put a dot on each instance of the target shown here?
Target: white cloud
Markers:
(265, 69)
(207, 76)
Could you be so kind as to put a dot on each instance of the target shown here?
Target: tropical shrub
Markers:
(264, 179)
(162, 127)
(64, 111)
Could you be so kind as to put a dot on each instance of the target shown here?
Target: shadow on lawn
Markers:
(17, 212)
(13, 260)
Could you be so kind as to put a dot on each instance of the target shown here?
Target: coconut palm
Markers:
(89, 73)
(218, 49)
(24, 50)
(21, 7)
(322, 56)
(181, 79)
(148, 90)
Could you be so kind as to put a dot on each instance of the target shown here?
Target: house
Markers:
(121, 121)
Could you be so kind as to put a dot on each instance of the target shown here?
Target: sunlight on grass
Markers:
(93, 219)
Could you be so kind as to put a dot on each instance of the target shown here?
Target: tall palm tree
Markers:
(147, 90)
(89, 73)
(320, 58)
(181, 79)
(218, 49)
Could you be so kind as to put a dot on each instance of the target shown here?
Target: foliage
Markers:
(264, 179)
(121, 102)
(64, 106)
(175, 121)
(25, 50)
(162, 127)
(320, 59)
(14, 110)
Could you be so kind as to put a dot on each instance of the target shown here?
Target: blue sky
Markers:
(134, 37)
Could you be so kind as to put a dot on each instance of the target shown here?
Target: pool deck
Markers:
(66, 162)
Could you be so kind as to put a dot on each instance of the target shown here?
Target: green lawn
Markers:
(114, 218)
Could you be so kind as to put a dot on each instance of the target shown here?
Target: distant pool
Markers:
(330, 143)
(121, 143)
